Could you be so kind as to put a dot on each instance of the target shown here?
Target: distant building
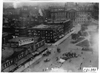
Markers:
(71, 10)
(5, 37)
(79, 13)
(58, 13)
(51, 33)
(95, 12)
(82, 19)
(71, 14)
(21, 32)
(67, 24)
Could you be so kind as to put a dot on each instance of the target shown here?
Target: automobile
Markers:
(46, 60)
(68, 55)
(58, 50)
(87, 49)
(64, 57)
(47, 53)
(45, 69)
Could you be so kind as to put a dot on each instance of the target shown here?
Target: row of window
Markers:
(25, 41)
(41, 43)
(11, 61)
(22, 54)
(8, 63)
(49, 37)
(43, 34)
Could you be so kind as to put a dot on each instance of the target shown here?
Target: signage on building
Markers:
(26, 41)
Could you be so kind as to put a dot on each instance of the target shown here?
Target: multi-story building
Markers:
(79, 12)
(82, 19)
(71, 14)
(71, 10)
(24, 48)
(21, 31)
(95, 12)
(58, 14)
(27, 41)
(51, 33)
(5, 37)
(67, 25)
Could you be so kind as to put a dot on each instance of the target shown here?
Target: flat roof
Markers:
(22, 38)
(43, 26)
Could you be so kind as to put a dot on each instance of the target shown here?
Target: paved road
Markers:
(86, 59)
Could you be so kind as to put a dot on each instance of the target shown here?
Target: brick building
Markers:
(20, 31)
(51, 33)
(67, 24)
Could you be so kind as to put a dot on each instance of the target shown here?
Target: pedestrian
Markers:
(81, 52)
(90, 61)
(70, 61)
(81, 64)
(80, 68)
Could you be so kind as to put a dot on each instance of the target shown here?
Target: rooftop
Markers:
(21, 38)
(42, 26)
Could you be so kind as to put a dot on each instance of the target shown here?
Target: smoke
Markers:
(40, 11)
(95, 42)
(93, 38)
(15, 4)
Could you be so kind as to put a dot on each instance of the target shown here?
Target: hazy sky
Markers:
(19, 4)
(40, 4)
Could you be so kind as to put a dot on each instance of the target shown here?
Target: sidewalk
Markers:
(74, 30)
(61, 40)
(20, 69)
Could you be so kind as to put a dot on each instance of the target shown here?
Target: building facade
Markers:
(51, 33)
(21, 32)
(24, 49)
(58, 13)
(67, 25)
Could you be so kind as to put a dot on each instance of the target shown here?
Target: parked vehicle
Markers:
(58, 50)
(46, 60)
(47, 53)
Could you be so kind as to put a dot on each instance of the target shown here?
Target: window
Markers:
(39, 44)
(22, 54)
(19, 56)
(26, 52)
(48, 40)
(43, 42)
(36, 45)
(5, 65)
(46, 31)
(29, 30)
(11, 61)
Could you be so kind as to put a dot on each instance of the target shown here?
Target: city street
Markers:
(85, 59)
(50, 36)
